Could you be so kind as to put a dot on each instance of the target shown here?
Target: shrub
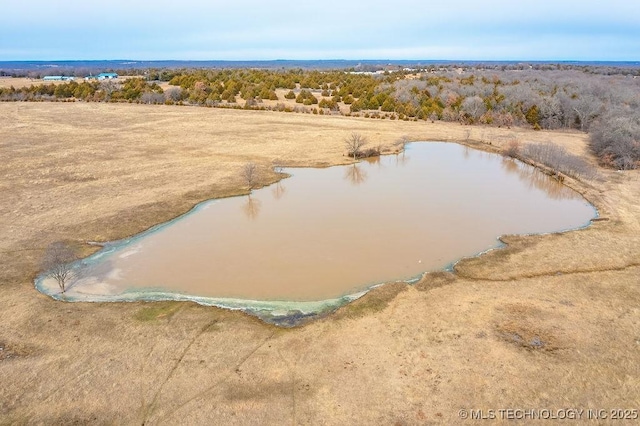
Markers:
(512, 149)
(559, 160)
(328, 103)
(305, 97)
(370, 152)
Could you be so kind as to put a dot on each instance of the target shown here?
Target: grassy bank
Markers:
(549, 322)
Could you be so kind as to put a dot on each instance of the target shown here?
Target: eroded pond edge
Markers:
(280, 313)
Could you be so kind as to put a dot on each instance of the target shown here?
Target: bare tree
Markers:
(550, 111)
(474, 107)
(586, 108)
(108, 87)
(173, 94)
(57, 262)
(250, 174)
(353, 144)
(152, 98)
(615, 139)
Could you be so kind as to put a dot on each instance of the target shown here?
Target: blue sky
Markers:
(324, 29)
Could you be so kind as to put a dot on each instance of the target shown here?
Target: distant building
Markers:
(107, 75)
(379, 72)
(102, 76)
(58, 78)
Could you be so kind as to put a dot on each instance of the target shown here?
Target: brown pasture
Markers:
(551, 321)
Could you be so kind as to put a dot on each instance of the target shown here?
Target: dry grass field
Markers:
(6, 82)
(550, 322)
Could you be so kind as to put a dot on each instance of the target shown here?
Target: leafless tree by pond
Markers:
(57, 262)
(250, 174)
(354, 143)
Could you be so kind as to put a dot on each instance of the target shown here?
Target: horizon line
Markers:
(322, 60)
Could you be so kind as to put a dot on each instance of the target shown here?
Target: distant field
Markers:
(26, 82)
(290, 103)
(23, 82)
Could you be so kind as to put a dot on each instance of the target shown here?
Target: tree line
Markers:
(604, 102)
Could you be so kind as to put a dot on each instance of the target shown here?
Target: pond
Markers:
(322, 237)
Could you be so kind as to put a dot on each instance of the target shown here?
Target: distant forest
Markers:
(603, 101)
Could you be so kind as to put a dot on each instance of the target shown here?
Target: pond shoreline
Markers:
(539, 320)
(292, 313)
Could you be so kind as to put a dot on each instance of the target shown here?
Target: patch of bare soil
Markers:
(551, 321)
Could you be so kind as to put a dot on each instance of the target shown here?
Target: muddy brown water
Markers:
(325, 233)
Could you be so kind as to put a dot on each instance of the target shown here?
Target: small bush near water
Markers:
(512, 149)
